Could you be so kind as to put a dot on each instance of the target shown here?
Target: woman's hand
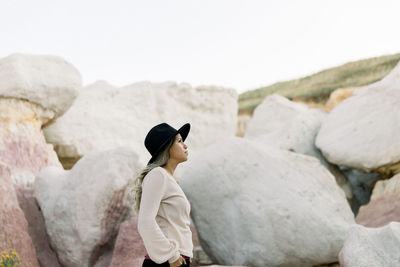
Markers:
(179, 262)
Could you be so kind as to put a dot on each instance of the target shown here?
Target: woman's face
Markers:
(178, 151)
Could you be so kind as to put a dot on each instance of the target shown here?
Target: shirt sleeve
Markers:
(159, 248)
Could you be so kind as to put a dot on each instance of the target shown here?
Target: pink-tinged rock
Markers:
(129, 249)
(34, 90)
(381, 211)
(37, 228)
(23, 147)
(383, 207)
(13, 225)
(84, 207)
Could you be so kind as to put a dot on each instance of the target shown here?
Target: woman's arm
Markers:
(159, 248)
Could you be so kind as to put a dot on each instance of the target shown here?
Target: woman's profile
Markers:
(162, 207)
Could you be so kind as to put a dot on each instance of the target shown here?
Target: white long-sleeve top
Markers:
(164, 218)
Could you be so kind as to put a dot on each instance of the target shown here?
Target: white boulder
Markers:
(281, 123)
(272, 114)
(361, 132)
(254, 205)
(372, 247)
(83, 207)
(33, 91)
(284, 124)
(48, 81)
(104, 116)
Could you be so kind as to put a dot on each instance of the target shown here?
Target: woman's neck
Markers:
(170, 168)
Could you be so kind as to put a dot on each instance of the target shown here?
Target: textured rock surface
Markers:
(91, 123)
(384, 206)
(281, 123)
(273, 113)
(36, 228)
(200, 257)
(129, 249)
(380, 212)
(361, 131)
(372, 247)
(84, 207)
(287, 204)
(33, 91)
(48, 81)
(13, 225)
(22, 144)
(386, 187)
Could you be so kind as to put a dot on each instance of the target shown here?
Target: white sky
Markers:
(230, 43)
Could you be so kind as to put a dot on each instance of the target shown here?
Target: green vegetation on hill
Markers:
(317, 87)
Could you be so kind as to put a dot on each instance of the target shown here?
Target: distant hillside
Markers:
(317, 87)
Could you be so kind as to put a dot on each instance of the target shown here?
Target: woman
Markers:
(162, 207)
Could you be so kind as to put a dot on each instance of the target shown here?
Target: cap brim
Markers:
(184, 130)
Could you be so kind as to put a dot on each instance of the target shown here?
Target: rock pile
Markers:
(104, 116)
(279, 196)
(265, 206)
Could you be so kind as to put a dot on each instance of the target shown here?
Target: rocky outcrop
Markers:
(14, 227)
(104, 116)
(33, 91)
(283, 124)
(360, 131)
(372, 247)
(84, 207)
(287, 204)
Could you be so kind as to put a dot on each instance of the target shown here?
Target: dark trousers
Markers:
(150, 263)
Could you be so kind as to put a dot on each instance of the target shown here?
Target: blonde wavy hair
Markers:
(160, 161)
